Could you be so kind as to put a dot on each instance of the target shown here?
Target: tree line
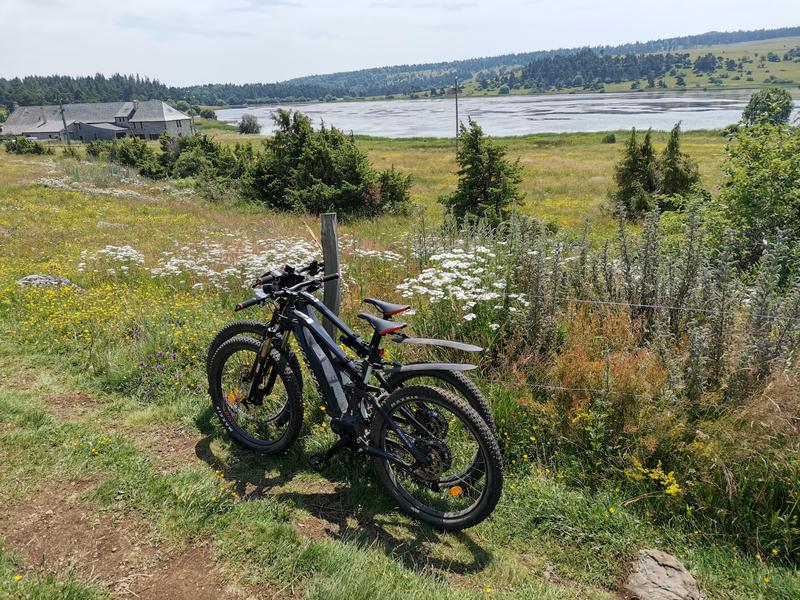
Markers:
(540, 67)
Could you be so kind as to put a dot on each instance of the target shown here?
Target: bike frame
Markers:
(334, 372)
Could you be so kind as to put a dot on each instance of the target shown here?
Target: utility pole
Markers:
(457, 116)
(64, 120)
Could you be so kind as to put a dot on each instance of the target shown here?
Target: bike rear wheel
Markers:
(271, 423)
(432, 491)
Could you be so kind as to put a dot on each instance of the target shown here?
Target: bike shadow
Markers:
(346, 504)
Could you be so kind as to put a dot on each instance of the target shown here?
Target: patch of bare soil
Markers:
(72, 405)
(20, 381)
(174, 448)
(56, 532)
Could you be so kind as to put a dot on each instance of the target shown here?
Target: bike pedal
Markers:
(318, 461)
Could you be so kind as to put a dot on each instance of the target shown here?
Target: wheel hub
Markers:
(434, 422)
(439, 459)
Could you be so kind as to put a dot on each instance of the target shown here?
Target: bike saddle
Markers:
(387, 308)
(381, 326)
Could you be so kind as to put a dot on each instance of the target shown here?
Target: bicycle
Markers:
(454, 381)
(430, 449)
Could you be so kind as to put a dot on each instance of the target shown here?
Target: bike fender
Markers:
(404, 339)
(429, 367)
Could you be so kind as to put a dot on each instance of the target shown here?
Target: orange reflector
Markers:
(455, 491)
(232, 396)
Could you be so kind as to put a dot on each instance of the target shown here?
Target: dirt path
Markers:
(57, 532)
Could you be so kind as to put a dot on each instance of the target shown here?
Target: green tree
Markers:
(677, 172)
(770, 105)
(635, 175)
(249, 124)
(488, 183)
(207, 113)
(3, 114)
(761, 192)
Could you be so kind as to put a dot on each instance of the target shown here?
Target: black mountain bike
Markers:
(431, 450)
(453, 381)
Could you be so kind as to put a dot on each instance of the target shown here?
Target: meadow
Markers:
(108, 439)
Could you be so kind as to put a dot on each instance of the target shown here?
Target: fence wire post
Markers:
(331, 296)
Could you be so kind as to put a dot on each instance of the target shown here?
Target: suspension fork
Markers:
(273, 372)
(262, 367)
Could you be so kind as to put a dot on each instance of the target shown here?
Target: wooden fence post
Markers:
(330, 254)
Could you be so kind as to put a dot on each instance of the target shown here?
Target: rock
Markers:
(44, 281)
(657, 575)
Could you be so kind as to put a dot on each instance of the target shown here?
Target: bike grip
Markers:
(247, 304)
(330, 277)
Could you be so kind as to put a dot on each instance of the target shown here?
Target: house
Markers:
(98, 121)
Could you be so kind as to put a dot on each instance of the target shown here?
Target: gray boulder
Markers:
(657, 575)
(44, 281)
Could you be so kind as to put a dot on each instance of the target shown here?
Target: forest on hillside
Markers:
(542, 69)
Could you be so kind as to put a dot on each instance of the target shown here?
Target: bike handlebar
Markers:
(247, 304)
(266, 292)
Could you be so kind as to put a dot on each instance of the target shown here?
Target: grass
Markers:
(566, 177)
(271, 521)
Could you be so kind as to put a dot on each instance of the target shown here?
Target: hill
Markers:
(509, 73)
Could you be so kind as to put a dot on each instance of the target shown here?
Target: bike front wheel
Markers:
(270, 420)
(432, 489)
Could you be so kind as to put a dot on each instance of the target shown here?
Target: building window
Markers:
(153, 136)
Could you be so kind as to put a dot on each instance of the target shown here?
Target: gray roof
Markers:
(156, 110)
(107, 126)
(47, 118)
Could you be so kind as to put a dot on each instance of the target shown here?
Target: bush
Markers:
(609, 138)
(22, 145)
(207, 113)
(319, 171)
(487, 182)
(3, 113)
(771, 105)
(190, 164)
(98, 148)
(761, 193)
(249, 124)
(71, 152)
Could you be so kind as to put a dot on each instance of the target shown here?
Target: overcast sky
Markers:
(183, 42)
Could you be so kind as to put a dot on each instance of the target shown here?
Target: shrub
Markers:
(318, 171)
(609, 138)
(771, 105)
(488, 184)
(71, 152)
(207, 113)
(504, 89)
(98, 148)
(761, 192)
(22, 145)
(249, 124)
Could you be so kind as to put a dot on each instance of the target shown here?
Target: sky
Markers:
(183, 42)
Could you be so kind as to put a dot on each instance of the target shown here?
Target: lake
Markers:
(518, 115)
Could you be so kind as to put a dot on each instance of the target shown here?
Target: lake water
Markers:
(518, 115)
